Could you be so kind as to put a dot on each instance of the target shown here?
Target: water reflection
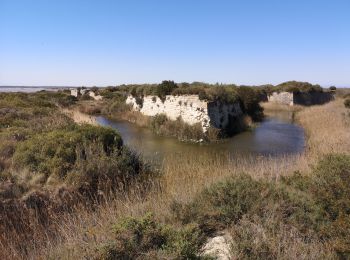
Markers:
(276, 135)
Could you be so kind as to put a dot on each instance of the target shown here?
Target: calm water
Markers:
(276, 135)
(27, 89)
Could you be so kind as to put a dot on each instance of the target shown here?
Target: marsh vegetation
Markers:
(75, 191)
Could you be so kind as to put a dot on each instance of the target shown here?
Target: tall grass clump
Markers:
(163, 126)
(145, 238)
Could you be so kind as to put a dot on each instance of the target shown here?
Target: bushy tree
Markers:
(165, 88)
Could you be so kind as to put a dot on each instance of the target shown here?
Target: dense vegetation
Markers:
(74, 191)
(312, 208)
(49, 165)
(294, 86)
(248, 97)
(37, 137)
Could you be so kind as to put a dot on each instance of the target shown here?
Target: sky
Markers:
(102, 42)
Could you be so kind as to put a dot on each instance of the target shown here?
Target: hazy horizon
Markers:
(90, 43)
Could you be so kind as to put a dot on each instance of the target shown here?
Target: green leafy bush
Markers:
(165, 88)
(250, 99)
(332, 185)
(56, 151)
(144, 238)
(227, 202)
(315, 208)
(297, 86)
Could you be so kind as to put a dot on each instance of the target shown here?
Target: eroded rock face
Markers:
(190, 108)
(285, 98)
(79, 92)
(300, 98)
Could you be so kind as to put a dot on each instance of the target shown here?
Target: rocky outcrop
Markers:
(94, 95)
(79, 92)
(285, 98)
(190, 108)
(301, 98)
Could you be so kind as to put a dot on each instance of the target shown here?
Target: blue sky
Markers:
(82, 42)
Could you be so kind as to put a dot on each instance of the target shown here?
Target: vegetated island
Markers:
(195, 111)
(76, 191)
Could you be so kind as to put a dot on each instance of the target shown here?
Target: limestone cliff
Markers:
(190, 108)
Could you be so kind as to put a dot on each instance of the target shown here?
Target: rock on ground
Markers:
(218, 247)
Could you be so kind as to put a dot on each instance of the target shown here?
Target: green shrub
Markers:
(225, 203)
(347, 103)
(33, 110)
(163, 126)
(117, 107)
(331, 190)
(315, 208)
(56, 152)
(250, 99)
(332, 185)
(269, 238)
(165, 88)
(144, 238)
(222, 203)
(296, 86)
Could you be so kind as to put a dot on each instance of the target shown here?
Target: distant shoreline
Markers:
(27, 89)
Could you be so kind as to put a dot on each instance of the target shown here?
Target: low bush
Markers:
(33, 110)
(165, 88)
(267, 238)
(347, 103)
(55, 152)
(331, 185)
(227, 202)
(250, 99)
(145, 238)
(315, 208)
(331, 190)
(296, 86)
(163, 126)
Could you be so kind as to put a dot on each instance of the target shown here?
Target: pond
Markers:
(276, 135)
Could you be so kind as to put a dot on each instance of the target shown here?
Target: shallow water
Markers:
(27, 89)
(276, 135)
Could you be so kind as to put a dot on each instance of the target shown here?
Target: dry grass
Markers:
(327, 128)
(79, 117)
(184, 175)
(271, 106)
(136, 118)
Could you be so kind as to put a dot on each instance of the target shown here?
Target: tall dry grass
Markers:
(272, 106)
(327, 128)
(184, 175)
